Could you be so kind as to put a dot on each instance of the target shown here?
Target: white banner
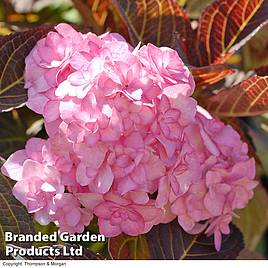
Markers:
(130, 264)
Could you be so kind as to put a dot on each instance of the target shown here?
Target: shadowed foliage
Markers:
(13, 216)
(171, 242)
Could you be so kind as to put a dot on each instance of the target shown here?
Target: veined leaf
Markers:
(170, 242)
(208, 75)
(248, 98)
(226, 25)
(13, 50)
(154, 21)
(13, 216)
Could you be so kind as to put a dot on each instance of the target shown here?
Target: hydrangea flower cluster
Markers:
(127, 142)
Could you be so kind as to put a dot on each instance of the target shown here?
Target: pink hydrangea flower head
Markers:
(127, 142)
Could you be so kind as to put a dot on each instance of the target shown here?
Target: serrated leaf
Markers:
(171, 242)
(13, 50)
(13, 216)
(248, 98)
(227, 24)
(209, 75)
(87, 254)
(253, 219)
(126, 247)
(154, 21)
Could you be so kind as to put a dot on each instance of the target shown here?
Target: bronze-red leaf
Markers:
(226, 25)
(248, 98)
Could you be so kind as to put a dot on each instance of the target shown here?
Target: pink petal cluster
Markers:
(127, 142)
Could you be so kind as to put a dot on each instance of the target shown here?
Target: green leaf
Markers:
(195, 7)
(253, 219)
(13, 216)
(126, 247)
(181, 2)
(171, 242)
(255, 52)
(45, 229)
(13, 50)
(247, 254)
